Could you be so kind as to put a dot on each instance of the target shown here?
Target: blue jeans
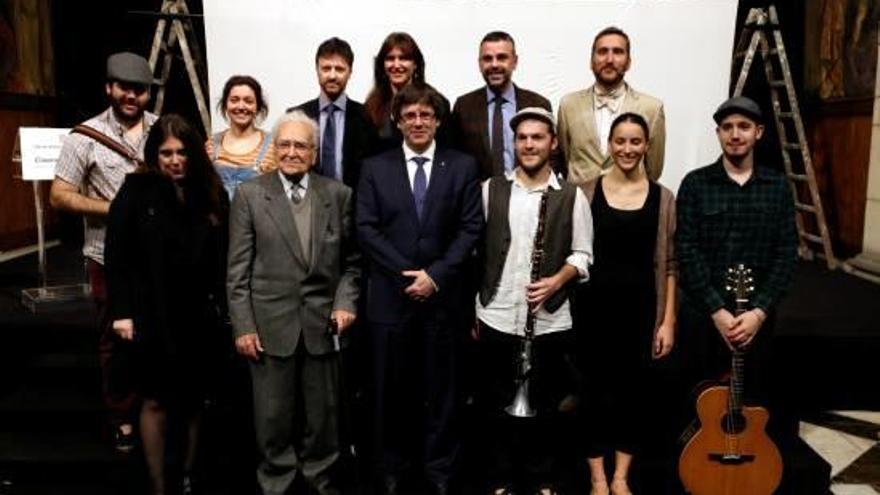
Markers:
(232, 176)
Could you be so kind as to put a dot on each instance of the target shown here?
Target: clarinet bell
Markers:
(520, 407)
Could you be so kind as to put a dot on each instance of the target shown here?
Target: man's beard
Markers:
(124, 117)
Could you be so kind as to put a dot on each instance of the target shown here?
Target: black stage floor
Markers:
(52, 439)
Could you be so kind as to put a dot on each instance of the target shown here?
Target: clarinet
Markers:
(520, 406)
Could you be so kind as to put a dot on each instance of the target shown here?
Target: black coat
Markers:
(166, 267)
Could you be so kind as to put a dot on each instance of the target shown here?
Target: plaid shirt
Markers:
(721, 224)
(97, 171)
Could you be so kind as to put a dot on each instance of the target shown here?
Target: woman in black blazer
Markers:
(399, 63)
(165, 260)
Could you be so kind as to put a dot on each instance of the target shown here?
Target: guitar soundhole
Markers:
(733, 424)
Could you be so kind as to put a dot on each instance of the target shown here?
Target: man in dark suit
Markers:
(418, 218)
(293, 265)
(347, 136)
(475, 114)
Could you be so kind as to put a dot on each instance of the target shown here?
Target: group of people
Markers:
(490, 254)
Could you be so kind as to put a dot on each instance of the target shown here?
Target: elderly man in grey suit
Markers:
(585, 116)
(293, 266)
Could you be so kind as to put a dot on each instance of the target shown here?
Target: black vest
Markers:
(557, 238)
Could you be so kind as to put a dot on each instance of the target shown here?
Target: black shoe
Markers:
(551, 488)
(186, 485)
(503, 490)
(391, 485)
(122, 441)
(439, 489)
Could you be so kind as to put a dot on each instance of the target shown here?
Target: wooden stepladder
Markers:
(174, 29)
(761, 34)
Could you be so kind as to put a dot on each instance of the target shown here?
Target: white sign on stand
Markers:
(40, 148)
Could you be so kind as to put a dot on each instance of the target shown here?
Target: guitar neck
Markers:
(736, 366)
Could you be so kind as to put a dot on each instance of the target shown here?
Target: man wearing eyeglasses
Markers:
(419, 217)
(293, 267)
(87, 176)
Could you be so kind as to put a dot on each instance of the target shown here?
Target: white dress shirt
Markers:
(302, 187)
(606, 107)
(411, 166)
(507, 310)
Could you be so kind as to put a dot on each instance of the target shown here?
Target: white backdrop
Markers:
(681, 51)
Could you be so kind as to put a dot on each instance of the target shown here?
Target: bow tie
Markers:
(612, 99)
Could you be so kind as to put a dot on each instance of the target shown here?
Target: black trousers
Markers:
(525, 453)
(415, 403)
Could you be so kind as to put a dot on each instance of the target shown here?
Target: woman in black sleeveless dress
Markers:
(626, 312)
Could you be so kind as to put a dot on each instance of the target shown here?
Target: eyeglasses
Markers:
(411, 117)
(297, 146)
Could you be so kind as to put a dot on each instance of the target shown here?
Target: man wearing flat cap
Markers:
(733, 212)
(87, 176)
(518, 307)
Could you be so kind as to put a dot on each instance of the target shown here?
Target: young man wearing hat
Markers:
(729, 213)
(523, 451)
(87, 176)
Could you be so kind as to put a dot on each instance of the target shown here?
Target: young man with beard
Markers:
(481, 119)
(87, 176)
(524, 451)
(346, 134)
(730, 212)
(585, 116)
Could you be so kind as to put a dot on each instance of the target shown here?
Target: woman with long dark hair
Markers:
(627, 310)
(165, 258)
(398, 63)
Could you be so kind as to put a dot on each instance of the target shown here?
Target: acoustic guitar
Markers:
(731, 453)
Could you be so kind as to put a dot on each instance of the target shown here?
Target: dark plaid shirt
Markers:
(721, 224)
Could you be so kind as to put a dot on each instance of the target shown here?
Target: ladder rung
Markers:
(800, 177)
(786, 115)
(812, 237)
(791, 146)
(805, 207)
(778, 83)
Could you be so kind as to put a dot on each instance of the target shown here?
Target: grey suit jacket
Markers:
(272, 289)
(579, 138)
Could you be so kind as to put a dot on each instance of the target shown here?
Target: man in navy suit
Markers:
(346, 134)
(419, 216)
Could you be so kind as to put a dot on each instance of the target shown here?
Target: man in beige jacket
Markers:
(585, 116)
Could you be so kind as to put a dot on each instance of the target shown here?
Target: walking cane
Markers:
(345, 421)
